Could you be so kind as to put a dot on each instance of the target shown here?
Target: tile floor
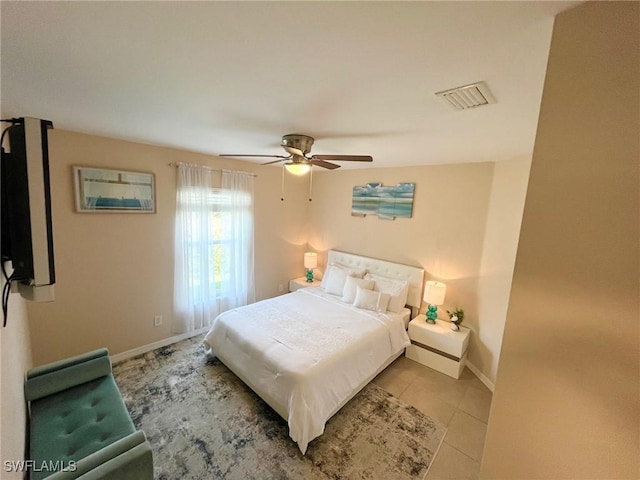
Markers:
(462, 405)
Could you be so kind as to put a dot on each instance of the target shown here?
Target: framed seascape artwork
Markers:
(385, 202)
(106, 190)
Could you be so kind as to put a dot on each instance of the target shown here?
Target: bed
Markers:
(307, 353)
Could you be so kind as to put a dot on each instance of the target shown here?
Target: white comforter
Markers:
(305, 353)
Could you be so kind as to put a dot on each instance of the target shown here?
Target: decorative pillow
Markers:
(349, 291)
(398, 289)
(337, 280)
(346, 272)
(371, 300)
(383, 302)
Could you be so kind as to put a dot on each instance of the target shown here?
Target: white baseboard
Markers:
(118, 357)
(481, 376)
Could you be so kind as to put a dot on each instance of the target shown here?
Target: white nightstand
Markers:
(437, 346)
(301, 282)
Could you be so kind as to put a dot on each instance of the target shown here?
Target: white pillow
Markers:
(337, 277)
(371, 300)
(346, 272)
(398, 289)
(349, 291)
(383, 302)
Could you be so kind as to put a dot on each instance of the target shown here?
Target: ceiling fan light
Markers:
(298, 168)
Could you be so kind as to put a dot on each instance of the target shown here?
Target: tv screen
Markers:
(27, 234)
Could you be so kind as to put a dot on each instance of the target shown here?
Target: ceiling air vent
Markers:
(469, 96)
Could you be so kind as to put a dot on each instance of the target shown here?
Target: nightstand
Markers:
(437, 346)
(301, 282)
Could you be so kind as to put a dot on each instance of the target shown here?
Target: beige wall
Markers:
(444, 235)
(504, 217)
(567, 398)
(114, 272)
(15, 360)
(464, 232)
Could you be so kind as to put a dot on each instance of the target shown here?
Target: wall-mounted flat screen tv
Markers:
(27, 231)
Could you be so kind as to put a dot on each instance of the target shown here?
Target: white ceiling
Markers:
(233, 77)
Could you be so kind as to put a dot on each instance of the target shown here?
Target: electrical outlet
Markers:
(281, 288)
(157, 320)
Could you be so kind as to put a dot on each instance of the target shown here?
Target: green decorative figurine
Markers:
(432, 313)
(309, 275)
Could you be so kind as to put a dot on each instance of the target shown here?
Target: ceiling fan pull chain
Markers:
(310, 182)
(282, 187)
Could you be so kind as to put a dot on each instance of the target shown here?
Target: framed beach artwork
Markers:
(115, 191)
(385, 202)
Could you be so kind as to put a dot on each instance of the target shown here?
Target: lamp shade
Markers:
(297, 168)
(434, 293)
(310, 260)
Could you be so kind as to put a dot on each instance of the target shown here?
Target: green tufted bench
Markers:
(79, 424)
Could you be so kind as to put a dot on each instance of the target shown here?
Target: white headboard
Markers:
(414, 275)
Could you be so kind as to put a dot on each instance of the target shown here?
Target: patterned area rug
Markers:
(204, 422)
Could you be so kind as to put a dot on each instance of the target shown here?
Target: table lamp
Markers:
(434, 295)
(310, 262)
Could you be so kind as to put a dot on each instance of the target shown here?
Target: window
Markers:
(207, 239)
(214, 248)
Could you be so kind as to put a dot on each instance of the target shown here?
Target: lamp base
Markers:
(310, 275)
(432, 314)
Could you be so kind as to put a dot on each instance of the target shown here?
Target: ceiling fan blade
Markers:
(293, 150)
(344, 158)
(322, 163)
(275, 161)
(250, 155)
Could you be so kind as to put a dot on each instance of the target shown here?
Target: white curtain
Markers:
(238, 224)
(213, 246)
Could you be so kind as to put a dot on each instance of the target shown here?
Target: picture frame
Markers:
(105, 190)
(388, 203)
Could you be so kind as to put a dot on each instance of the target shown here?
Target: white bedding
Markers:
(306, 353)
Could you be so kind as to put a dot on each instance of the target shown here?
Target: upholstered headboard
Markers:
(414, 275)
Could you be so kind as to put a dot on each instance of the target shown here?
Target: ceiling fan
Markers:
(299, 161)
